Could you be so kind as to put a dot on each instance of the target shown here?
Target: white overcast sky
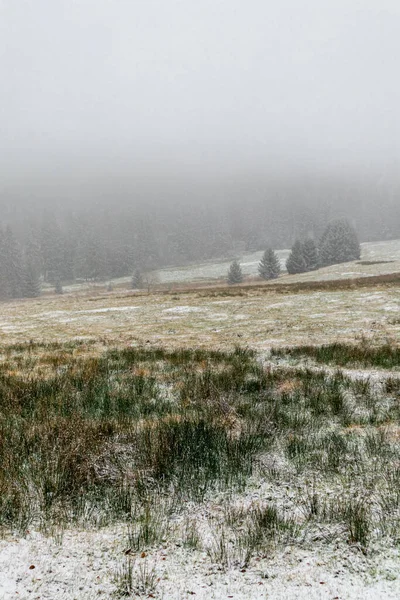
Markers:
(199, 85)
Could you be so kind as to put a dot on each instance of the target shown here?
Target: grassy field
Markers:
(222, 442)
(259, 318)
(149, 437)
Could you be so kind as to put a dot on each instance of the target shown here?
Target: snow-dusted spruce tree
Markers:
(269, 266)
(58, 286)
(31, 280)
(137, 280)
(295, 262)
(13, 268)
(339, 243)
(235, 274)
(52, 248)
(310, 254)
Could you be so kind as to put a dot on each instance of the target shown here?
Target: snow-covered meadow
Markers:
(79, 564)
(257, 318)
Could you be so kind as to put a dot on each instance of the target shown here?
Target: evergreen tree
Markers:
(296, 262)
(235, 274)
(69, 256)
(58, 289)
(269, 266)
(52, 249)
(310, 254)
(339, 243)
(31, 279)
(93, 259)
(145, 244)
(33, 249)
(12, 266)
(137, 280)
(3, 289)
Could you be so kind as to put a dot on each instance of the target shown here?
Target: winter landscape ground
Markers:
(213, 442)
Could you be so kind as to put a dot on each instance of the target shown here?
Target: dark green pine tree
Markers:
(31, 279)
(58, 289)
(339, 243)
(145, 244)
(269, 266)
(235, 274)
(295, 262)
(13, 271)
(3, 280)
(310, 254)
(52, 249)
(137, 280)
(93, 259)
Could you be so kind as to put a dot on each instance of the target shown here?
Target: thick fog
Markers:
(98, 92)
(136, 135)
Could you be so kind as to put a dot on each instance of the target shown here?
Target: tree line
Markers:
(338, 243)
(100, 245)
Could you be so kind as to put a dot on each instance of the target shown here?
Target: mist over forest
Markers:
(165, 133)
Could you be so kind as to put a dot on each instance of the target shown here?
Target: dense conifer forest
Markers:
(96, 243)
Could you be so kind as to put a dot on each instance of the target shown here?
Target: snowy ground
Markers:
(257, 318)
(83, 564)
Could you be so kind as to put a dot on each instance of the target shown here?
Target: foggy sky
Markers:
(91, 88)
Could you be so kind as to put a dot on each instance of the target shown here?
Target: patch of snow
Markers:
(184, 309)
(106, 310)
(52, 313)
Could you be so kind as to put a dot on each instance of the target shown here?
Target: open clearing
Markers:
(131, 468)
(210, 319)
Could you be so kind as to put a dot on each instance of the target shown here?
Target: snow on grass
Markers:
(107, 309)
(385, 250)
(83, 564)
(83, 568)
(259, 318)
(183, 309)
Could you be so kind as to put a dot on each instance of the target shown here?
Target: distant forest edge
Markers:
(59, 247)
